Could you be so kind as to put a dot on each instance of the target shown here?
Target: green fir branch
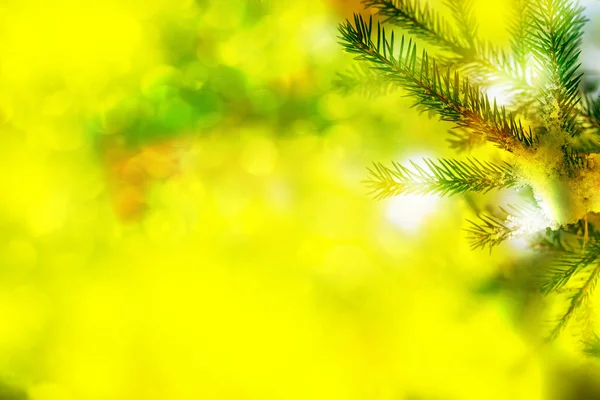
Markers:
(590, 113)
(486, 62)
(579, 297)
(591, 346)
(574, 158)
(442, 177)
(418, 20)
(567, 238)
(567, 265)
(363, 79)
(555, 38)
(586, 144)
(464, 140)
(588, 119)
(464, 16)
(518, 71)
(573, 271)
(552, 240)
(519, 33)
(453, 99)
(489, 231)
(490, 65)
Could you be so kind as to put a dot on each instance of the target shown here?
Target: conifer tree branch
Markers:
(590, 113)
(420, 21)
(489, 231)
(485, 63)
(363, 79)
(586, 144)
(462, 11)
(574, 269)
(519, 69)
(492, 65)
(567, 238)
(464, 140)
(579, 297)
(589, 120)
(442, 177)
(592, 346)
(555, 38)
(516, 221)
(519, 32)
(453, 100)
(567, 264)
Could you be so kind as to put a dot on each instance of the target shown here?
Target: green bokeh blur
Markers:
(183, 217)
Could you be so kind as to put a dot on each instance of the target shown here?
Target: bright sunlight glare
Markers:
(409, 211)
(500, 94)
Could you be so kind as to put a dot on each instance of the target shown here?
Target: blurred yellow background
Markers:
(183, 217)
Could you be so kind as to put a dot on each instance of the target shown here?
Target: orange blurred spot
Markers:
(159, 162)
(347, 7)
(133, 172)
(129, 202)
(130, 173)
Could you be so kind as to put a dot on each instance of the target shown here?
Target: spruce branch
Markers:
(482, 59)
(520, 71)
(442, 177)
(463, 13)
(453, 99)
(566, 265)
(488, 231)
(485, 63)
(419, 20)
(491, 65)
(592, 346)
(586, 144)
(464, 140)
(552, 240)
(579, 297)
(590, 113)
(555, 38)
(567, 238)
(515, 221)
(363, 79)
(573, 271)
(519, 32)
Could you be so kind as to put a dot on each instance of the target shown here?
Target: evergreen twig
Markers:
(453, 99)
(419, 20)
(464, 140)
(486, 63)
(555, 38)
(363, 79)
(489, 231)
(519, 33)
(463, 13)
(580, 295)
(590, 113)
(442, 177)
(592, 346)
